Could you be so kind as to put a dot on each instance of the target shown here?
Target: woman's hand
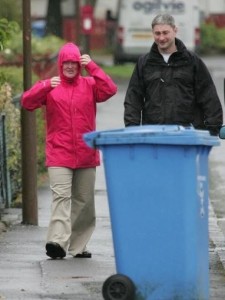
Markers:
(84, 59)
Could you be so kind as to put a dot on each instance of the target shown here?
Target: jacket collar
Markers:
(181, 56)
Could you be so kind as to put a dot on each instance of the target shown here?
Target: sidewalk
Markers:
(27, 273)
(217, 257)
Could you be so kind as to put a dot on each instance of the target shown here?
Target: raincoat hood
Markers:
(68, 52)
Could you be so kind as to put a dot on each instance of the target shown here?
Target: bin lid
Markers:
(152, 134)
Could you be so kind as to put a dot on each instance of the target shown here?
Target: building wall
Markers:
(212, 6)
(217, 7)
(38, 8)
(103, 5)
(213, 11)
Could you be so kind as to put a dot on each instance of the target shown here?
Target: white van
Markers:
(134, 17)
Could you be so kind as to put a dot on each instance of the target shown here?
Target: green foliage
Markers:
(11, 85)
(7, 29)
(209, 38)
(212, 39)
(11, 10)
(13, 47)
(40, 47)
(14, 76)
(12, 137)
(123, 71)
(47, 45)
(41, 129)
(221, 40)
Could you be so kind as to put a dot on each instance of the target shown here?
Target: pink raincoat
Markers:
(70, 111)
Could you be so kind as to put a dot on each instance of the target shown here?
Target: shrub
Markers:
(221, 40)
(41, 47)
(12, 10)
(7, 29)
(11, 86)
(14, 76)
(212, 39)
(12, 122)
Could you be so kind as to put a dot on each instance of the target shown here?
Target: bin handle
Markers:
(90, 138)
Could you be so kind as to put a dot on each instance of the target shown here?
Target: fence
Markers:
(4, 183)
(8, 187)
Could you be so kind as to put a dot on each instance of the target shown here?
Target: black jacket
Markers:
(178, 92)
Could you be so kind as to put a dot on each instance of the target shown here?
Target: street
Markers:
(217, 157)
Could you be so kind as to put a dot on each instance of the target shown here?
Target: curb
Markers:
(10, 216)
(216, 235)
(3, 228)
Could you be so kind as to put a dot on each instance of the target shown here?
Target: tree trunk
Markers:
(54, 18)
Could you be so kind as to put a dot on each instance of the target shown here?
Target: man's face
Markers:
(70, 69)
(164, 36)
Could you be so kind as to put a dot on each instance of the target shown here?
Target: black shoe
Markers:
(84, 254)
(54, 250)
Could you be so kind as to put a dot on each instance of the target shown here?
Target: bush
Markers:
(41, 47)
(41, 129)
(12, 10)
(212, 39)
(14, 76)
(221, 40)
(11, 85)
(7, 30)
(13, 137)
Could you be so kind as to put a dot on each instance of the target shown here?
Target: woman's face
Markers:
(70, 69)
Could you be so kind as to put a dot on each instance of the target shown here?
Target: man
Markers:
(171, 85)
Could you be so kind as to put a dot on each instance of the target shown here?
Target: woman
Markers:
(70, 100)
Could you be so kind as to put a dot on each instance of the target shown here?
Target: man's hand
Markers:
(55, 81)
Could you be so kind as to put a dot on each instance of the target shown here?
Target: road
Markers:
(217, 155)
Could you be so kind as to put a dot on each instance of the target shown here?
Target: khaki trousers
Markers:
(73, 209)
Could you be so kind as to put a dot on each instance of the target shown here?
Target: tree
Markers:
(54, 18)
(11, 10)
(10, 20)
(7, 29)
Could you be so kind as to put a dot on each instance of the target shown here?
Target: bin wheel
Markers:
(118, 287)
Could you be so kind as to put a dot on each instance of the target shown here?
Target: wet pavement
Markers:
(26, 272)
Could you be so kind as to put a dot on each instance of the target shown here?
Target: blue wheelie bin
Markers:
(157, 186)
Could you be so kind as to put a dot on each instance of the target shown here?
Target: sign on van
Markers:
(159, 6)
